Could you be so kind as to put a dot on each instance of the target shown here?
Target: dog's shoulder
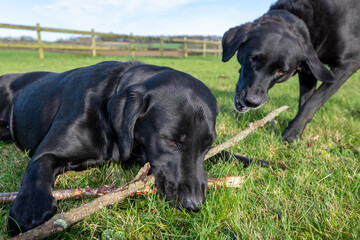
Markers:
(320, 12)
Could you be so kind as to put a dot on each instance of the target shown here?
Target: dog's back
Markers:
(332, 24)
(67, 94)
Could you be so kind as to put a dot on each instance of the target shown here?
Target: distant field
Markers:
(157, 46)
(317, 197)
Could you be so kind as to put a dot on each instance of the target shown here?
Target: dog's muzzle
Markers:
(244, 104)
(239, 105)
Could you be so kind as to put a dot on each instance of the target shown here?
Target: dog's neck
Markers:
(293, 21)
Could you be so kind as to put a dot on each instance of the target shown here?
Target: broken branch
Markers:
(61, 221)
(243, 134)
(140, 185)
(82, 193)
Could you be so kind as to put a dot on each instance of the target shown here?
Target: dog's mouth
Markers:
(242, 107)
(180, 194)
(180, 197)
(239, 105)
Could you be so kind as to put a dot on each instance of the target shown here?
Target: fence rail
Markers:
(128, 43)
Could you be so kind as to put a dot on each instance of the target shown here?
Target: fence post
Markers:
(93, 43)
(204, 49)
(185, 47)
(41, 49)
(132, 45)
(162, 46)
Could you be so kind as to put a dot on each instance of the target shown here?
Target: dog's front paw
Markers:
(29, 211)
(291, 134)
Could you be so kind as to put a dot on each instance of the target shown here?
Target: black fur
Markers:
(296, 36)
(107, 112)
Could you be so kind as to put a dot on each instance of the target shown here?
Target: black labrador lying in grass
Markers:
(296, 36)
(107, 112)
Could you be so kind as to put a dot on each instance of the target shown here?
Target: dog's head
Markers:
(270, 50)
(168, 121)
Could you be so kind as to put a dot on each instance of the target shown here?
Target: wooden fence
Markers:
(129, 43)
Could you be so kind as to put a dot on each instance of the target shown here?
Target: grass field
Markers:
(317, 197)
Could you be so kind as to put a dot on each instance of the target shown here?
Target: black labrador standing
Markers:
(296, 36)
(108, 112)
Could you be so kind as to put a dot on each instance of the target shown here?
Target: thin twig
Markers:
(248, 130)
(61, 221)
(82, 193)
(140, 185)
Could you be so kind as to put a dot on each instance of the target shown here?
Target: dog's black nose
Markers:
(252, 102)
(191, 205)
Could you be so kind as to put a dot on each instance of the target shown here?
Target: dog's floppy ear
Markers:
(124, 109)
(232, 40)
(317, 68)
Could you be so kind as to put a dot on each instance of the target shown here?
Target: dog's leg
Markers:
(34, 203)
(307, 87)
(315, 101)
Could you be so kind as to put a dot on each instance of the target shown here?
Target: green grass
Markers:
(317, 197)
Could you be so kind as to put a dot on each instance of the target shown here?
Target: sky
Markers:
(139, 17)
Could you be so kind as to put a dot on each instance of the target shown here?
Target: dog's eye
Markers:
(280, 72)
(252, 59)
(174, 143)
(178, 141)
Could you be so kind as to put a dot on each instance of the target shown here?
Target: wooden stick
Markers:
(141, 183)
(248, 130)
(61, 221)
(94, 192)
(82, 193)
